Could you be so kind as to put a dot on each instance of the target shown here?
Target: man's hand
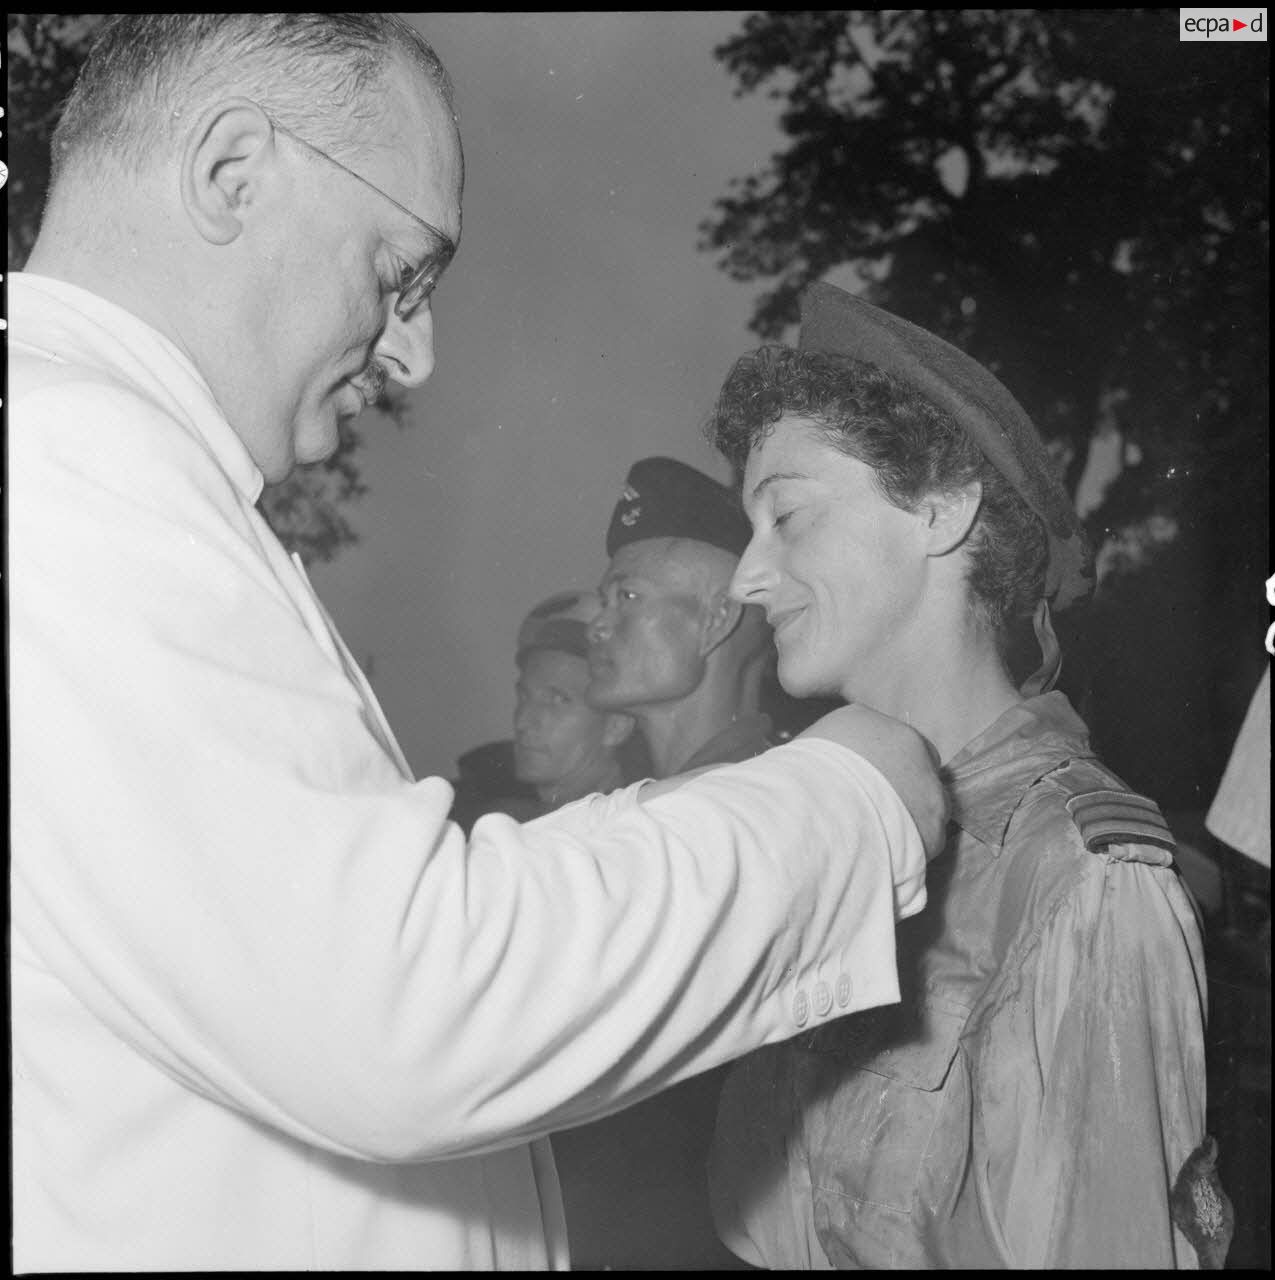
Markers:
(902, 755)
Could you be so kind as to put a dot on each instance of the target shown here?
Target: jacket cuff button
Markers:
(801, 1009)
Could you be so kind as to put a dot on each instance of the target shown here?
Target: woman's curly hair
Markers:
(912, 447)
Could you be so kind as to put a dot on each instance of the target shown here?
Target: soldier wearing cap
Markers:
(671, 648)
(1037, 1099)
(562, 749)
(562, 746)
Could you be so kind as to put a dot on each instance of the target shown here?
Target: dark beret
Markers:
(835, 321)
(664, 498)
(561, 622)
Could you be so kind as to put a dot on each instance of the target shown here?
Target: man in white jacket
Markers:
(269, 1009)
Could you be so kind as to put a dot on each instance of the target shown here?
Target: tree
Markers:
(45, 51)
(1078, 199)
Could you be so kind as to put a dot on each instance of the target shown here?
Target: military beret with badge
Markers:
(665, 498)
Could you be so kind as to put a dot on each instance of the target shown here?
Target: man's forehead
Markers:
(420, 153)
(643, 558)
(679, 564)
(556, 667)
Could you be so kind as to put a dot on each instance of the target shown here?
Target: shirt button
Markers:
(844, 990)
(823, 998)
(800, 1009)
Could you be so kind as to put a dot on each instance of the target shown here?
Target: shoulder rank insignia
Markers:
(1119, 817)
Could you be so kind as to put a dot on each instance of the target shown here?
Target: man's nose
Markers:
(406, 347)
(599, 629)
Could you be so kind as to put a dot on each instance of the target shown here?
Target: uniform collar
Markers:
(987, 778)
(746, 736)
(77, 327)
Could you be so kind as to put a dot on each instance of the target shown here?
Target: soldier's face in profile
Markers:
(644, 645)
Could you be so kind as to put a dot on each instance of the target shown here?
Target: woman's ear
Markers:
(949, 517)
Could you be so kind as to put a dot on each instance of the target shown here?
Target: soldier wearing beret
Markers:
(671, 648)
(1037, 1099)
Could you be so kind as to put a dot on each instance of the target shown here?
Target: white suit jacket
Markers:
(269, 1010)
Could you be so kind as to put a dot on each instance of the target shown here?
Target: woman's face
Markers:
(839, 570)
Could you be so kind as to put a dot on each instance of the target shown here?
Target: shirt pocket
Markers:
(872, 1095)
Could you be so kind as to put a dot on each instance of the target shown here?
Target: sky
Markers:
(579, 329)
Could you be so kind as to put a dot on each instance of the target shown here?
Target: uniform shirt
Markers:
(1032, 1099)
(485, 782)
(269, 1009)
(745, 737)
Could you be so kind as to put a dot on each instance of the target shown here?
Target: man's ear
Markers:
(721, 616)
(227, 151)
(617, 729)
(949, 516)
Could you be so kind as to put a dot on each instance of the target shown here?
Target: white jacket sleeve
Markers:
(217, 856)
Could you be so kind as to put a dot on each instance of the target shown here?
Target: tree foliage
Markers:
(43, 57)
(45, 50)
(1078, 199)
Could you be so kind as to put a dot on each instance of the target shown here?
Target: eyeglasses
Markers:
(420, 284)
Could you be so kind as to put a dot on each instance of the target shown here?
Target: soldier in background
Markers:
(670, 646)
(562, 749)
(672, 649)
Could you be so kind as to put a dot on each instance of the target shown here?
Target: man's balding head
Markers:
(267, 191)
(322, 73)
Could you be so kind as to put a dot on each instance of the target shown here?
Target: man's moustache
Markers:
(372, 384)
